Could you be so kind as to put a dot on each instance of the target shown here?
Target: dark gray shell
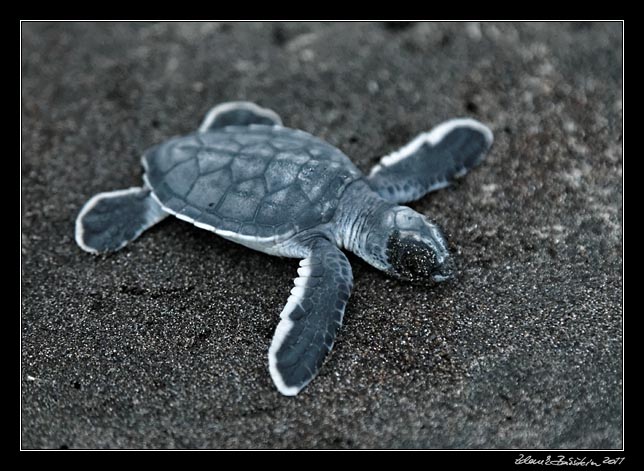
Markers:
(257, 181)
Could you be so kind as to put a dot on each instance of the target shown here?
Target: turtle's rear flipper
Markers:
(311, 318)
(238, 113)
(431, 161)
(108, 221)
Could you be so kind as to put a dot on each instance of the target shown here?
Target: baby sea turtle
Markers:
(284, 192)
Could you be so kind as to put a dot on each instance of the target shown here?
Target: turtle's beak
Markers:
(444, 271)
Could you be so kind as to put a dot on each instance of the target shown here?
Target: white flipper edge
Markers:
(432, 137)
(211, 116)
(284, 327)
(128, 219)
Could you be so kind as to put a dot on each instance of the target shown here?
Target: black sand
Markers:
(164, 344)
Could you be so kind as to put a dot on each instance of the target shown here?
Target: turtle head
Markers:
(410, 246)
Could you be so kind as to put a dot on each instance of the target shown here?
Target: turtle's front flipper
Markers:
(238, 113)
(311, 318)
(108, 221)
(431, 161)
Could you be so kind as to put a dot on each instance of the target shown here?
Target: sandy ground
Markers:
(164, 343)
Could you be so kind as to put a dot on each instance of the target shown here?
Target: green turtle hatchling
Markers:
(249, 179)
